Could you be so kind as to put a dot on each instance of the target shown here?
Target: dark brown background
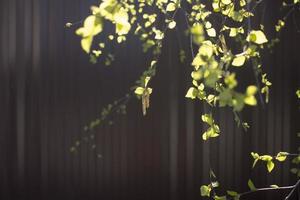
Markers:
(49, 91)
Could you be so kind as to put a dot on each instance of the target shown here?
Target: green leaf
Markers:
(274, 186)
(171, 7)
(149, 90)
(232, 193)
(191, 93)
(243, 3)
(239, 61)
(251, 90)
(86, 44)
(230, 81)
(266, 158)
(225, 98)
(281, 156)
(270, 165)
(205, 136)
(216, 197)
(197, 29)
(238, 102)
(210, 133)
(251, 185)
(211, 32)
(172, 24)
(206, 49)
(250, 98)
(226, 2)
(257, 36)
(298, 94)
(215, 184)
(92, 26)
(205, 190)
(254, 155)
(196, 75)
(207, 118)
(68, 25)
(197, 61)
(139, 91)
(208, 25)
(123, 28)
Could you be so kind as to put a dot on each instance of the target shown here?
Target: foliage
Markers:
(225, 45)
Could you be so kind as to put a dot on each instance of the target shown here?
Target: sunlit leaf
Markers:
(251, 90)
(266, 158)
(281, 156)
(139, 90)
(211, 32)
(191, 93)
(226, 2)
(172, 24)
(239, 61)
(207, 118)
(270, 166)
(257, 36)
(86, 44)
(171, 7)
(205, 190)
(274, 186)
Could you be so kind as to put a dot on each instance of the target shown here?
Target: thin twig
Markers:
(267, 189)
(191, 36)
(293, 190)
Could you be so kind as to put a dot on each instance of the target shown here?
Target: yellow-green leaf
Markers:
(121, 20)
(270, 165)
(226, 2)
(139, 91)
(92, 26)
(257, 36)
(274, 186)
(250, 100)
(172, 25)
(254, 155)
(196, 75)
(205, 190)
(149, 90)
(207, 118)
(211, 32)
(191, 93)
(86, 43)
(251, 90)
(171, 7)
(266, 158)
(281, 156)
(239, 61)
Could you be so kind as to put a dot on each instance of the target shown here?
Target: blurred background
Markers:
(49, 91)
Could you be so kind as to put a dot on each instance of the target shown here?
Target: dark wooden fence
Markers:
(49, 91)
